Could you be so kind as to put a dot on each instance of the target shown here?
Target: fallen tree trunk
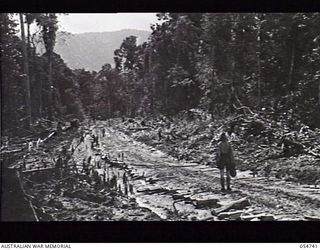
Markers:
(8, 152)
(49, 136)
(312, 218)
(27, 198)
(261, 217)
(37, 170)
(202, 203)
(139, 128)
(236, 215)
(243, 108)
(16, 204)
(238, 204)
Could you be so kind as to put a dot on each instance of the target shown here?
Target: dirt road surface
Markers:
(174, 189)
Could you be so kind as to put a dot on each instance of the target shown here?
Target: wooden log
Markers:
(261, 217)
(238, 204)
(16, 203)
(235, 215)
(49, 136)
(208, 219)
(14, 151)
(312, 218)
(139, 128)
(117, 164)
(255, 219)
(28, 198)
(202, 203)
(267, 217)
(249, 217)
(243, 108)
(37, 170)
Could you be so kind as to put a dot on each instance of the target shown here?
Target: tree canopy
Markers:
(218, 62)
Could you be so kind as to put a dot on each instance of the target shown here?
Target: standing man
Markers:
(225, 161)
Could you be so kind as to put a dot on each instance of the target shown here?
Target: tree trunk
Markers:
(132, 106)
(31, 71)
(109, 106)
(55, 94)
(151, 79)
(319, 93)
(166, 96)
(213, 78)
(56, 98)
(40, 99)
(28, 38)
(26, 72)
(3, 86)
(238, 204)
(292, 57)
(50, 99)
(259, 63)
(290, 78)
(232, 87)
(259, 81)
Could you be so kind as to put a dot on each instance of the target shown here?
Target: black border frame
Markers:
(222, 232)
(101, 6)
(150, 232)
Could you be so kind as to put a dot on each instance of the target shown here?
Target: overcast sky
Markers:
(79, 23)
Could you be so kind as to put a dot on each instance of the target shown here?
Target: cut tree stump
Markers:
(238, 204)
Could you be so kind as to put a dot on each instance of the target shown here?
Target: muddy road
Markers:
(178, 190)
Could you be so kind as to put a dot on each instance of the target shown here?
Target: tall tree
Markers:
(48, 24)
(26, 71)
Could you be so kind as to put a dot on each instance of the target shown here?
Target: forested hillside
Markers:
(220, 63)
(34, 89)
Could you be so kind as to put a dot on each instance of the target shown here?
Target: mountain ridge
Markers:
(112, 31)
(91, 50)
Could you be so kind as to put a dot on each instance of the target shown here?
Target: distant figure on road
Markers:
(225, 160)
(59, 162)
(84, 165)
(81, 137)
(160, 134)
(89, 160)
(96, 140)
(59, 165)
(24, 163)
